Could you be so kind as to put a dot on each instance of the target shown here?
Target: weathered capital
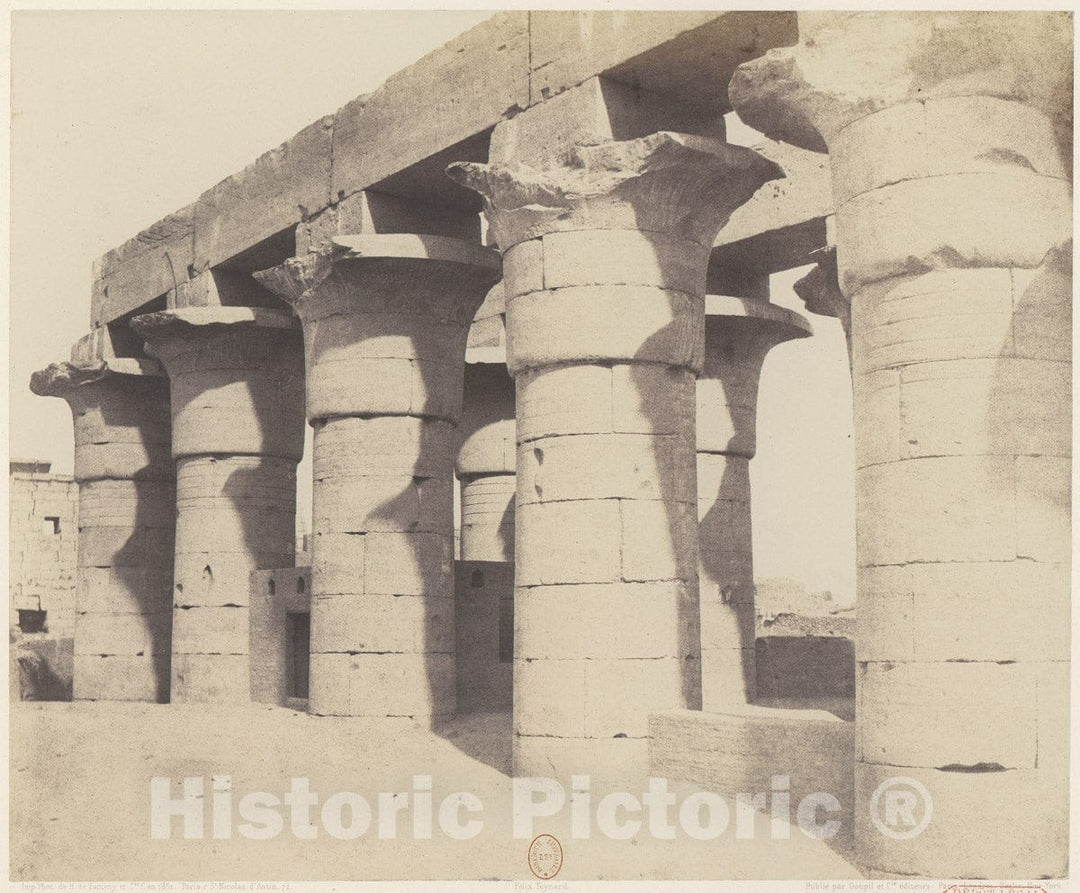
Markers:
(487, 428)
(684, 187)
(738, 335)
(237, 379)
(393, 309)
(852, 64)
(120, 412)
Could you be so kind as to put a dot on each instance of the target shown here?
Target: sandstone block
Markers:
(121, 678)
(459, 90)
(567, 622)
(589, 537)
(210, 630)
(549, 697)
(578, 324)
(564, 400)
(947, 714)
(966, 507)
(210, 679)
(658, 540)
(1024, 835)
(273, 193)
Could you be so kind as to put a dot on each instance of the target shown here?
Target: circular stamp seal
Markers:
(545, 856)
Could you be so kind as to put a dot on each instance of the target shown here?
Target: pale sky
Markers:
(119, 118)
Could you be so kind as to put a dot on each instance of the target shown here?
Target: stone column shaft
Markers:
(385, 323)
(237, 404)
(738, 336)
(486, 464)
(953, 219)
(120, 409)
(605, 254)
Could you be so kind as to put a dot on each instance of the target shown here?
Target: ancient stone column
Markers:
(605, 251)
(948, 139)
(486, 466)
(385, 323)
(236, 376)
(123, 595)
(738, 335)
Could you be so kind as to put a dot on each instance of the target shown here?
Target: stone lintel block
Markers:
(220, 287)
(121, 677)
(379, 623)
(145, 267)
(1022, 831)
(369, 211)
(654, 50)
(237, 379)
(947, 714)
(781, 222)
(455, 92)
(273, 193)
(588, 621)
(595, 111)
(807, 94)
(378, 685)
(641, 184)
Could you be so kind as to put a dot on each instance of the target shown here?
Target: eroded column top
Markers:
(849, 65)
(236, 376)
(437, 276)
(678, 185)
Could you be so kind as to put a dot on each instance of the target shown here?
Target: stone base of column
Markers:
(618, 764)
(991, 824)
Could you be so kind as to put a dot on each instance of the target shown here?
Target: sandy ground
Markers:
(80, 802)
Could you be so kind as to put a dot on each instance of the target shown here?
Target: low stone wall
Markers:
(484, 620)
(279, 636)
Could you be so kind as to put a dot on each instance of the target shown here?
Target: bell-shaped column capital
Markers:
(738, 335)
(386, 319)
(120, 413)
(236, 375)
(678, 185)
(434, 276)
(849, 65)
(488, 428)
